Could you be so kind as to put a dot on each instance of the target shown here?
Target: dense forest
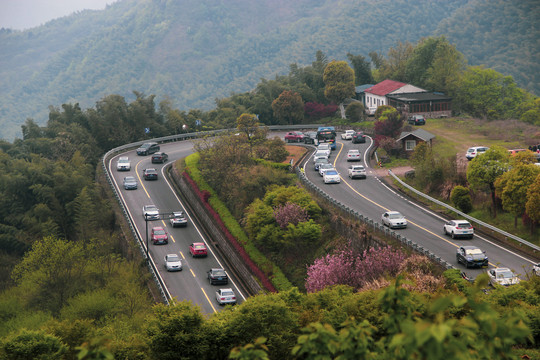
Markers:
(193, 52)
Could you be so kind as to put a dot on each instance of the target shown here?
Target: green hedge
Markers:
(278, 279)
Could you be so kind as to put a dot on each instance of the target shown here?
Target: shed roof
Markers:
(419, 133)
(419, 96)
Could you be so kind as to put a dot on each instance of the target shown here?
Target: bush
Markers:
(461, 198)
(355, 112)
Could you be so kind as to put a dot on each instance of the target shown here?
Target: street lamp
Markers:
(146, 221)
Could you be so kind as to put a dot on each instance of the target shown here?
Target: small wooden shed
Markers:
(409, 139)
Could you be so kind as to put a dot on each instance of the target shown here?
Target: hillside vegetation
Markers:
(196, 51)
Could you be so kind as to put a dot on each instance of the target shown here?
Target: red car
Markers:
(198, 249)
(159, 235)
(294, 136)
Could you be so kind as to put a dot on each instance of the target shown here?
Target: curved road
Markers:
(371, 197)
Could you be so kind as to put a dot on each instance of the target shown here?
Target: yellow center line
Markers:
(212, 305)
(139, 177)
(181, 253)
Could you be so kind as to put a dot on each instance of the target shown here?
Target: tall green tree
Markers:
(484, 170)
(362, 69)
(395, 66)
(288, 108)
(533, 201)
(338, 79)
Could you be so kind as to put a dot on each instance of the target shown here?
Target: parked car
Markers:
(217, 277)
(159, 157)
(178, 219)
(173, 262)
(394, 220)
(359, 138)
(458, 228)
(198, 249)
(331, 177)
(319, 161)
(324, 167)
(148, 148)
(130, 183)
(513, 152)
(123, 164)
(471, 256)
(357, 171)
(225, 296)
(347, 135)
(324, 147)
(294, 136)
(150, 174)
(354, 155)
(150, 212)
(310, 137)
(158, 235)
(475, 151)
(416, 120)
(536, 269)
(502, 276)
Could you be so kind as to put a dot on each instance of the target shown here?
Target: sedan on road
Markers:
(347, 135)
(225, 296)
(324, 167)
(536, 269)
(331, 177)
(502, 276)
(458, 228)
(159, 236)
(159, 157)
(178, 219)
(130, 183)
(394, 220)
(173, 262)
(294, 136)
(198, 249)
(150, 174)
(320, 161)
(123, 164)
(354, 155)
(150, 212)
(471, 256)
(359, 138)
(217, 277)
(357, 171)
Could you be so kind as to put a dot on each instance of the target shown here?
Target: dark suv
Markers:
(417, 120)
(358, 138)
(148, 148)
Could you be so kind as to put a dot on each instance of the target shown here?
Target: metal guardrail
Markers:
(372, 223)
(468, 217)
(178, 137)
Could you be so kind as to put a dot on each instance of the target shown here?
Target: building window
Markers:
(410, 145)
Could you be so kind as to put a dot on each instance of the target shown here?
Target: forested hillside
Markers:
(190, 51)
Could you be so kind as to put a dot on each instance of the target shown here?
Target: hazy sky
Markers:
(25, 14)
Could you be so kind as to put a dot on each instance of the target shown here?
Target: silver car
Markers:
(150, 212)
(130, 183)
(173, 262)
(394, 220)
(225, 296)
(178, 219)
(502, 276)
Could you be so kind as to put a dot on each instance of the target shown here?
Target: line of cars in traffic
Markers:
(160, 236)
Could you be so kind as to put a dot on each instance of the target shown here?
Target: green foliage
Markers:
(533, 200)
(362, 69)
(461, 198)
(30, 345)
(355, 112)
(338, 79)
(381, 109)
(288, 108)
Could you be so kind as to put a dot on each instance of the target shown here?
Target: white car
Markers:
(173, 262)
(331, 177)
(394, 220)
(324, 167)
(150, 212)
(536, 269)
(354, 155)
(325, 147)
(357, 171)
(225, 296)
(458, 228)
(347, 135)
(475, 151)
(320, 154)
(178, 219)
(502, 276)
(123, 164)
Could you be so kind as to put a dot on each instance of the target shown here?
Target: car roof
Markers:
(470, 247)
(123, 158)
(157, 228)
(357, 166)
(354, 150)
(393, 213)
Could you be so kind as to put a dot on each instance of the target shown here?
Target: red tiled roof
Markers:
(385, 87)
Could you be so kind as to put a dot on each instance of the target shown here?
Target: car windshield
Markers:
(358, 168)
(129, 179)
(354, 152)
(199, 246)
(144, 146)
(323, 147)
(159, 232)
(227, 293)
(121, 160)
(173, 258)
(473, 252)
(218, 272)
(395, 216)
(505, 274)
(322, 160)
(331, 172)
(463, 225)
(151, 208)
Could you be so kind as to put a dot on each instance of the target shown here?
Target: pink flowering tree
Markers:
(290, 213)
(347, 267)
